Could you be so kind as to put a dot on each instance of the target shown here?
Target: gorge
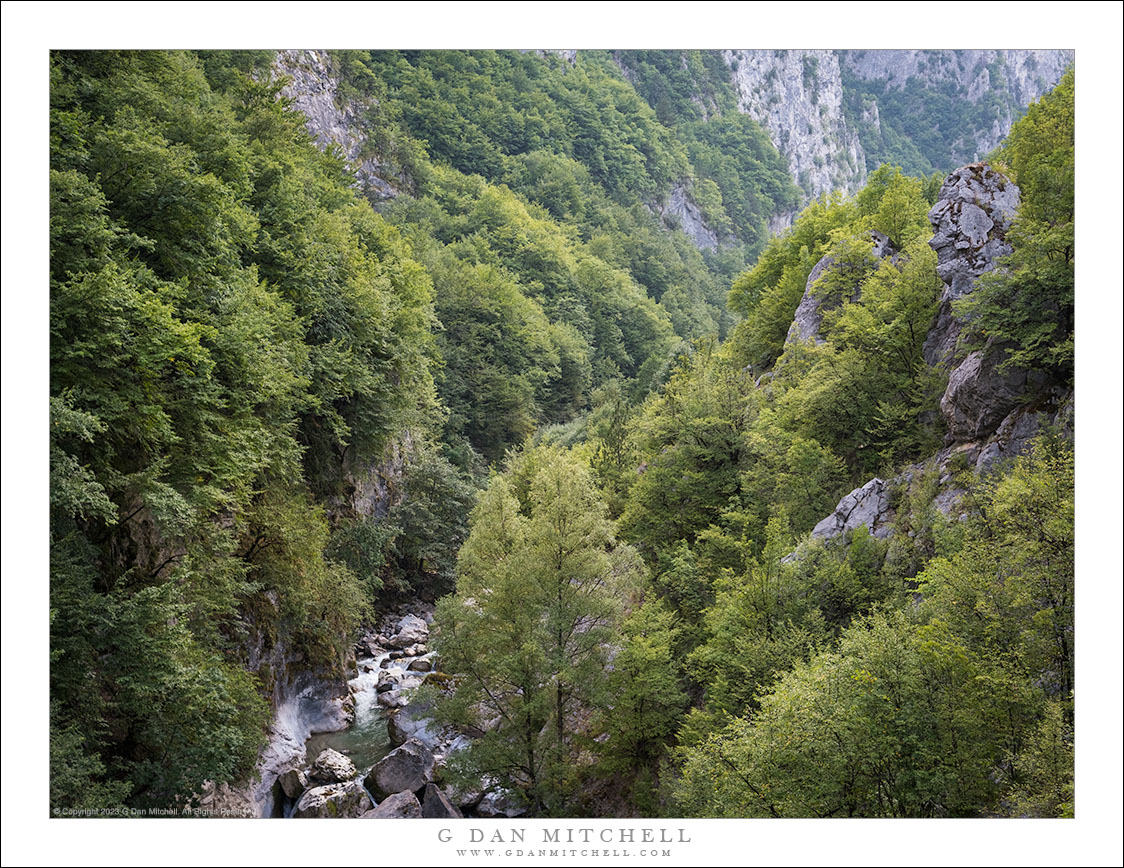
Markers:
(586, 433)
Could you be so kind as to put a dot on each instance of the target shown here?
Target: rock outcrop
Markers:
(501, 803)
(981, 394)
(970, 220)
(413, 720)
(973, 213)
(798, 97)
(992, 411)
(868, 504)
(305, 703)
(815, 303)
(682, 211)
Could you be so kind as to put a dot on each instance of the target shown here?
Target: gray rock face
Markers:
(331, 767)
(372, 487)
(399, 806)
(684, 211)
(970, 221)
(315, 92)
(813, 304)
(436, 806)
(412, 630)
(797, 96)
(979, 396)
(413, 721)
(334, 800)
(869, 505)
(409, 767)
(1024, 75)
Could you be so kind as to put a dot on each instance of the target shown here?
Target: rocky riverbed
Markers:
(389, 763)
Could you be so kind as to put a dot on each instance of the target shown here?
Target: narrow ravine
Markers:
(387, 762)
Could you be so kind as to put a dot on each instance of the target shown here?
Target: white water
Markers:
(366, 740)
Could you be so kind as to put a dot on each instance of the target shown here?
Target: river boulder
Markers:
(413, 721)
(409, 767)
(293, 783)
(331, 766)
(399, 806)
(502, 803)
(411, 630)
(347, 800)
(436, 806)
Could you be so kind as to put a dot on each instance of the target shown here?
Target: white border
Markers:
(29, 29)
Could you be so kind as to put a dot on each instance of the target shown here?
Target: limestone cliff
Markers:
(798, 97)
(682, 212)
(838, 114)
(314, 89)
(1005, 80)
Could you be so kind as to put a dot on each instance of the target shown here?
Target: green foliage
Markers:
(539, 585)
(959, 707)
(856, 732)
(532, 318)
(1010, 588)
(646, 701)
(759, 625)
(125, 663)
(581, 142)
(229, 323)
(689, 441)
(1044, 769)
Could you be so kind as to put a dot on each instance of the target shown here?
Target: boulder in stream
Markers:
(436, 806)
(399, 806)
(331, 766)
(409, 767)
(501, 803)
(411, 631)
(293, 783)
(347, 800)
(414, 721)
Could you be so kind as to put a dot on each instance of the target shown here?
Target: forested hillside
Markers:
(716, 521)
